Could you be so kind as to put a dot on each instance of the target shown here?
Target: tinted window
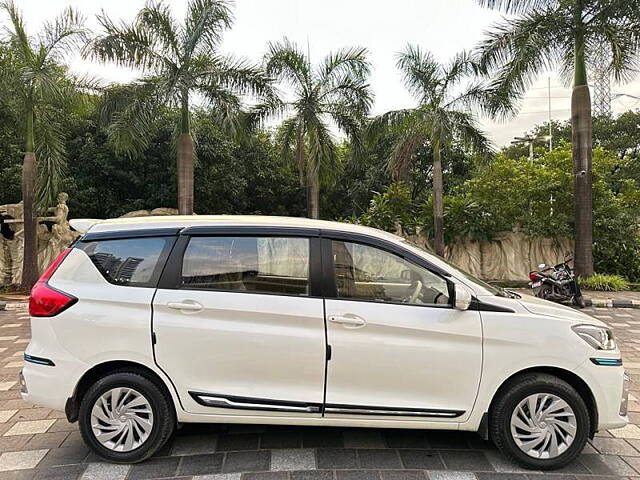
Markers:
(252, 264)
(368, 273)
(132, 261)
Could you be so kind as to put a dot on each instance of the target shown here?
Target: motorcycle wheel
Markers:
(544, 292)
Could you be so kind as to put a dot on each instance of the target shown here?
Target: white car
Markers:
(147, 323)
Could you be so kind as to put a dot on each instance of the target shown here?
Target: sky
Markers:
(444, 27)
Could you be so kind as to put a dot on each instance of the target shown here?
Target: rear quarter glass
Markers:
(134, 262)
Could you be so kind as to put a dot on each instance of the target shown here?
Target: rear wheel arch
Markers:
(571, 378)
(72, 406)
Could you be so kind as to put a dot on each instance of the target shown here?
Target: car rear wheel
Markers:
(125, 418)
(539, 421)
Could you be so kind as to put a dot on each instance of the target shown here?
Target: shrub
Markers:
(605, 283)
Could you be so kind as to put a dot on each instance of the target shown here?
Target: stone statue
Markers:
(53, 232)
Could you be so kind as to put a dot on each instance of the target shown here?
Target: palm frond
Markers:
(466, 131)
(518, 6)
(516, 50)
(421, 73)
(131, 113)
(321, 151)
(19, 35)
(351, 61)
(128, 45)
(51, 153)
(204, 23)
(64, 33)
(156, 17)
(237, 74)
(286, 61)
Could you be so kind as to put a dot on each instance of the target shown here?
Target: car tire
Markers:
(512, 407)
(142, 413)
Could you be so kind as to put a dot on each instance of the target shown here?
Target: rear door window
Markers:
(277, 265)
(134, 262)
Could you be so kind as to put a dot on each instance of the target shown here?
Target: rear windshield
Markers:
(135, 262)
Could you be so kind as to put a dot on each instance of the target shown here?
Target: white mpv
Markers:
(147, 323)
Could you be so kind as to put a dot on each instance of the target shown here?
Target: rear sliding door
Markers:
(237, 328)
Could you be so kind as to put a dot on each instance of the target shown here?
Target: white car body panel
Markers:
(271, 346)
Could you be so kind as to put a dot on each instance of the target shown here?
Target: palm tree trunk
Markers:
(581, 139)
(313, 196)
(438, 208)
(184, 151)
(29, 171)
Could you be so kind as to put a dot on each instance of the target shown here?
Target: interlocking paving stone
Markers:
(105, 471)
(617, 465)
(407, 439)
(629, 431)
(502, 464)
(281, 439)
(471, 460)
(219, 476)
(21, 460)
(293, 459)
(265, 476)
(47, 440)
(5, 415)
(367, 438)
(336, 458)
(500, 476)
(379, 458)
(313, 475)
(614, 446)
(64, 472)
(30, 427)
(240, 441)
(154, 468)
(402, 475)
(201, 464)
(421, 459)
(451, 475)
(4, 386)
(357, 475)
(64, 456)
(447, 440)
(247, 461)
(192, 444)
(322, 437)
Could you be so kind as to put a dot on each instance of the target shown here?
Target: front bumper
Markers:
(610, 388)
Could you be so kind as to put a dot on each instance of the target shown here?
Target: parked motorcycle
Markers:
(557, 283)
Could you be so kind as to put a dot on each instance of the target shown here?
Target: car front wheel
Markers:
(539, 421)
(125, 418)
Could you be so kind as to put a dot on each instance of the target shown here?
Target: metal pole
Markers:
(550, 132)
(531, 151)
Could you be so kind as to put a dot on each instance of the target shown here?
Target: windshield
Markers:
(498, 291)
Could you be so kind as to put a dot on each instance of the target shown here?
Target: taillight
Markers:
(46, 301)
(534, 276)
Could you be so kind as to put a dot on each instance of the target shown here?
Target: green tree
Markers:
(546, 33)
(335, 91)
(440, 119)
(178, 61)
(40, 86)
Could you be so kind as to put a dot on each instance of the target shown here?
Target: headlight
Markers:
(599, 338)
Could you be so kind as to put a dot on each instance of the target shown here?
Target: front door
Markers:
(399, 349)
(239, 332)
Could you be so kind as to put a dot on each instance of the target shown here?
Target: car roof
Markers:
(183, 221)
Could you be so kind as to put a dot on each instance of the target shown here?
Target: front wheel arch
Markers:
(571, 378)
(72, 406)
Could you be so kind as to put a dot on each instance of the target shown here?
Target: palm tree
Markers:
(441, 118)
(178, 61)
(550, 33)
(41, 86)
(333, 93)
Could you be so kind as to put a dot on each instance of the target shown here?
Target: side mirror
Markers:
(463, 297)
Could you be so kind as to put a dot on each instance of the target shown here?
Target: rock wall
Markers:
(509, 256)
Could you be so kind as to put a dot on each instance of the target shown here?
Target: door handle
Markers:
(348, 322)
(186, 306)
